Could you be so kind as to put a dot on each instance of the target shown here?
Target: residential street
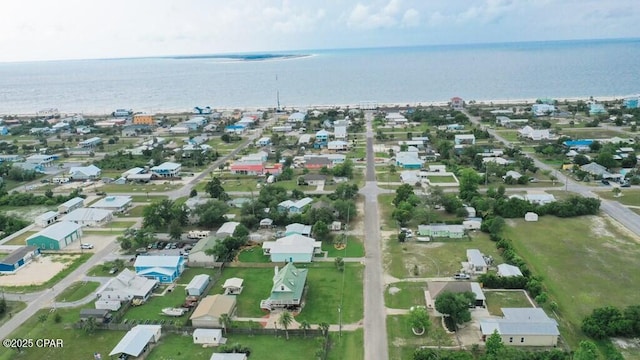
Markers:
(619, 212)
(375, 329)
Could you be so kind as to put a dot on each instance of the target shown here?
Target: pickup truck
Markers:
(461, 276)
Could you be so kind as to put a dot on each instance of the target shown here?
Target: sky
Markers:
(80, 29)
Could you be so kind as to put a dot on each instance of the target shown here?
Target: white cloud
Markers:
(370, 17)
(411, 18)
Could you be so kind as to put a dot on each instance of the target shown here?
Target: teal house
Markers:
(165, 269)
(288, 288)
(57, 236)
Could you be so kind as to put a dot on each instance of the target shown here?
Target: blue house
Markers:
(18, 258)
(571, 144)
(409, 160)
(4, 130)
(165, 269)
(631, 103)
(234, 129)
(596, 109)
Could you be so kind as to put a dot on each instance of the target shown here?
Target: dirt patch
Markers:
(627, 344)
(599, 227)
(393, 290)
(38, 271)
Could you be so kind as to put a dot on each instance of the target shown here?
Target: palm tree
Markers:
(304, 325)
(225, 321)
(285, 320)
(90, 325)
(324, 327)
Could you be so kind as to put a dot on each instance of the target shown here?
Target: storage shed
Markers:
(17, 259)
(208, 337)
(198, 284)
(57, 236)
(46, 219)
(530, 216)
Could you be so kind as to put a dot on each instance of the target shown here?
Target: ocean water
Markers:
(409, 75)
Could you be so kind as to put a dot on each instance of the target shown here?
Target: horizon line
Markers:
(309, 51)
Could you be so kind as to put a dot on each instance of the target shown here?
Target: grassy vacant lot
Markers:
(509, 135)
(584, 262)
(174, 346)
(589, 133)
(152, 309)
(121, 224)
(354, 248)
(253, 254)
(138, 188)
(78, 290)
(103, 269)
(135, 211)
(20, 239)
(441, 179)
(324, 294)
(257, 286)
(627, 197)
(410, 294)
(402, 342)
(505, 299)
(147, 198)
(189, 273)
(437, 259)
(13, 307)
(77, 343)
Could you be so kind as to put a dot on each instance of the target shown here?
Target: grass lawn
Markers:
(402, 341)
(349, 346)
(354, 248)
(584, 262)
(77, 343)
(189, 273)
(152, 309)
(104, 232)
(121, 224)
(505, 299)
(138, 188)
(78, 290)
(13, 307)
(410, 294)
(441, 179)
(437, 259)
(20, 239)
(175, 346)
(509, 135)
(103, 269)
(257, 286)
(589, 133)
(135, 211)
(325, 286)
(147, 198)
(627, 197)
(253, 254)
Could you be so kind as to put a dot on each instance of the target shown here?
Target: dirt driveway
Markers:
(38, 271)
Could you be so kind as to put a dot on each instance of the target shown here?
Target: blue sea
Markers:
(411, 75)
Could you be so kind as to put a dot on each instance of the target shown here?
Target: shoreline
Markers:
(487, 102)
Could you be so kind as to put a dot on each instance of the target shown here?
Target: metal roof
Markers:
(111, 202)
(157, 261)
(57, 231)
(475, 257)
(507, 270)
(87, 214)
(17, 255)
(228, 228)
(72, 202)
(214, 305)
(288, 283)
(166, 166)
(199, 281)
(135, 340)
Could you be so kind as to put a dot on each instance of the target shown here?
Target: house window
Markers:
(521, 340)
(510, 339)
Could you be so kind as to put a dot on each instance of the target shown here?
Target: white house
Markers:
(116, 204)
(296, 117)
(264, 141)
(533, 134)
(476, 262)
(227, 229)
(338, 145)
(89, 216)
(167, 170)
(127, 286)
(523, 327)
(340, 129)
(90, 172)
(464, 139)
(292, 248)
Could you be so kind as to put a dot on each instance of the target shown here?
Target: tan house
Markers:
(209, 310)
(523, 327)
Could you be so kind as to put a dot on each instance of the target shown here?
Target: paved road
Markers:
(375, 329)
(46, 298)
(614, 209)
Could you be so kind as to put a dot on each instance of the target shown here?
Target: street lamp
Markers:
(339, 320)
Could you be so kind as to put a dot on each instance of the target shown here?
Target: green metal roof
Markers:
(204, 244)
(289, 283)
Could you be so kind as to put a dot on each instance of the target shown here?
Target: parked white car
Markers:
(86, 246)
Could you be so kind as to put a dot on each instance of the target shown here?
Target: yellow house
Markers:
(143, 119)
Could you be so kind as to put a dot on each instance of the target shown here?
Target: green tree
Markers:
(469, 181)
(339, 262)
(215, 190)
(324, 328)
(419, 320)
(89, 325)
(285, 320)
(305, 325)
(225, 321)
(494, 344)
(456, 306)
(403, 192)
(321, 231)
(175, 230)
(211, 214)
(193, 193)
(586, 351)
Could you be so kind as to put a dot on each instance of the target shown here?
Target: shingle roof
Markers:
(214, 305)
